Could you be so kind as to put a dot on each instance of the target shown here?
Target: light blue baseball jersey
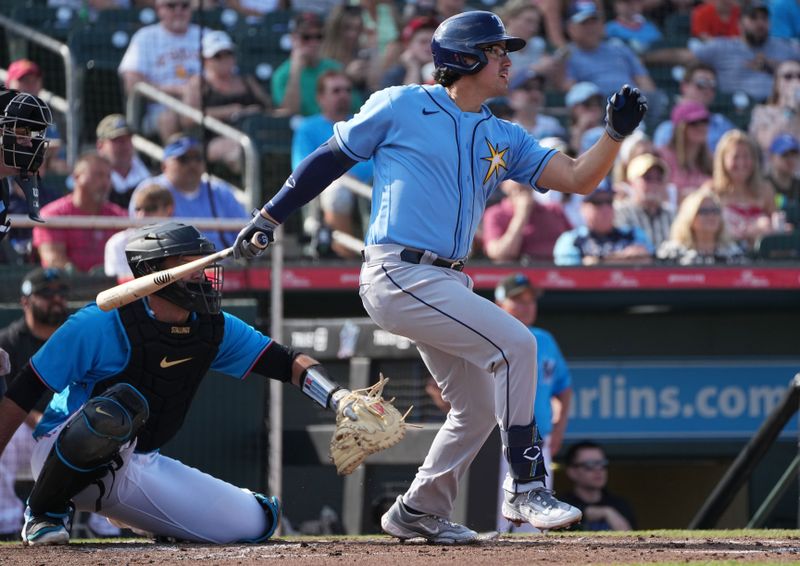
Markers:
(435, 166)
(553, 378)
(92, 345)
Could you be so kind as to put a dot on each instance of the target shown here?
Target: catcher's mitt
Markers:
(365, 423)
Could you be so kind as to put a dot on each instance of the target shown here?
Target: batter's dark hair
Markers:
(445, 77)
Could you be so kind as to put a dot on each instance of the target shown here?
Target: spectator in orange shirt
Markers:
(715, 18)
(79, 248)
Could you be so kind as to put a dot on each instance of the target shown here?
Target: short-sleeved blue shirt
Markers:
(435, 166)
(92, 346)
(553, 377)
(612, 64)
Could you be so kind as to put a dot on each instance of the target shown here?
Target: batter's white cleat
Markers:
(401, 523)
(540, 508)
(44, 530)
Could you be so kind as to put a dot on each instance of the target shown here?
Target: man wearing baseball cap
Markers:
(647, 206)
(599, 241)
(784, 158)
(526, 98)
(115, 143)
(516, 295)
(196, 194)
(43, 296)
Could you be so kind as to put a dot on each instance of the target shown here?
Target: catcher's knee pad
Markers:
(522, 446)
(94, 435)
(272, 510)
(89, 441)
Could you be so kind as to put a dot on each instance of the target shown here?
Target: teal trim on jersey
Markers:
(435, 166)
(92, 345)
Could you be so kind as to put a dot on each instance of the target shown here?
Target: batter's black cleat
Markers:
(540, 508)
(46, 529)
(399, 522)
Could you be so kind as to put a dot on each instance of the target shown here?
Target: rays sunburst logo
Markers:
(496, 159)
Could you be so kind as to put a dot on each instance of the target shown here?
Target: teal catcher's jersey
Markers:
(435, 166)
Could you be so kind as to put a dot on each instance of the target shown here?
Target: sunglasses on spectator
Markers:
(601, 202)
(791, 76)
(703, 122)
(176, 5)
(495, 51)
(222, 54)
(653, 175)
(592, 465)
(708, 210)
(531, 86)
(50, 292)
(311, 36)
(704, 84)
(188, 158)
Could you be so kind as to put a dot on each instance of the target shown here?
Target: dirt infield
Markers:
(548, 549)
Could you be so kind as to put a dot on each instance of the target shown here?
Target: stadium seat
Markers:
(273, 138)
(261, 50)
(55, 22)
(131, 16)
(97, 52)
(778, 246)
(677, 30)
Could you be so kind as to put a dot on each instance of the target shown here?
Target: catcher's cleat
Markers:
(540, 508)
(46, 529)
(401, 523)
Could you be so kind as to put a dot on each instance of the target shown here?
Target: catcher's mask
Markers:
(24, 120)
(23, 127)
(147, 250)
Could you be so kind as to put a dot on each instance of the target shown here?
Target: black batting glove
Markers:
(244, 247)
(624, 112)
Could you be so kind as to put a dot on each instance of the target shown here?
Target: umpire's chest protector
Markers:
(167, 364)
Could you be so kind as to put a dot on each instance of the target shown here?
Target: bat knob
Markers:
(261, 240)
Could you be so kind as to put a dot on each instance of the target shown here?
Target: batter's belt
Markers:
(415, 256)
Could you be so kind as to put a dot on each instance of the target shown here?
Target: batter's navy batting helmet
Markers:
(148, 248)
(463, 35)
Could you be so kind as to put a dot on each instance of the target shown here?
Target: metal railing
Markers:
(252, 162)
(74, 87)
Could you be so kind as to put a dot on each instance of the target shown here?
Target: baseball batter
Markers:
(124, 381)
(438, 154)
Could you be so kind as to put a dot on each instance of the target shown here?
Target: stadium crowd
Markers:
(710, 176)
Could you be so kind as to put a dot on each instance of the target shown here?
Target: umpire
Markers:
(124, 381)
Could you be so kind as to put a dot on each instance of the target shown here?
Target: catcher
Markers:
(124, 381)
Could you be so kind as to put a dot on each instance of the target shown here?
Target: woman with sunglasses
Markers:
(687, 153)
(779, 115)
(224, 94)
(699, 235)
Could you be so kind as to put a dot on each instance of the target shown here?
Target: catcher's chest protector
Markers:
(167, 364)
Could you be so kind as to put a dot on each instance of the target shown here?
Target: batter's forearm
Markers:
(583, 173)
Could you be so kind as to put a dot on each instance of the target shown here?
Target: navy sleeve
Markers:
(313, 175)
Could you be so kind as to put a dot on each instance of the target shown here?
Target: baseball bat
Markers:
(127, 292)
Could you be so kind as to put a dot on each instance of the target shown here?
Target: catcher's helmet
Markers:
(463, 35)
(148, 248)
(23, 125)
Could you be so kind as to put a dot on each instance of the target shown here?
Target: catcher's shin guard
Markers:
(86, 446)
(522, 447)
(272, 509)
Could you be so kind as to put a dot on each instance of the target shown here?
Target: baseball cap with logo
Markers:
(44, 281)
(22, 67)
(514, 285)
(757, 6)
(113, 126)
(689, 111)
(180, 146)
(581, 92)
(521, 78)
(604, 191)
(641, 164)
(583, 10)
(784, 144)
(305, 21)
(216, 41)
